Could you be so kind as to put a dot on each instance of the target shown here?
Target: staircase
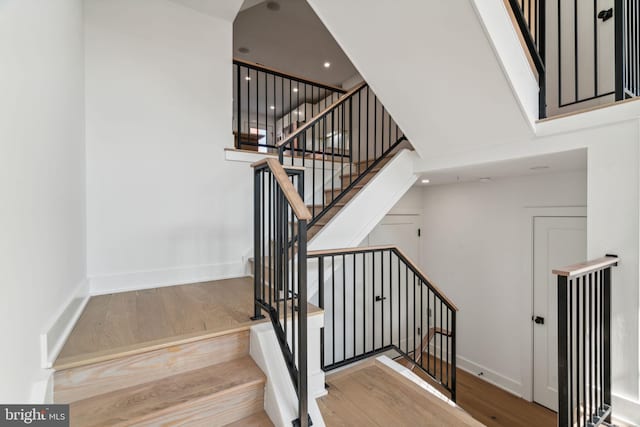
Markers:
(200, 379)
(346, 178)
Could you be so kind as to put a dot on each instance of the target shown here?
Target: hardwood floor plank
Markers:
(261, 419)
(119, 324)
(372, 396)
(175, 397)
(80, 383)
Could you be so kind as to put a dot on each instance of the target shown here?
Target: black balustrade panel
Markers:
(340, 146)
(269, 105)
(376, 301)
(280, 267)
(584, 344)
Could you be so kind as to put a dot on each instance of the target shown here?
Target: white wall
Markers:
(612, 218)
(476, 247)
(164, 207)
(42, 182)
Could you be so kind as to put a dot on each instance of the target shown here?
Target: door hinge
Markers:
(419, 232)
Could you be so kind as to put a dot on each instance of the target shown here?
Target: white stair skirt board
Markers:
(280, 400)
(360, 215)
(409, 375)
(60, 326)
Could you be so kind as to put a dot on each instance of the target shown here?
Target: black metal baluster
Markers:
(607, 338)
(584, 350)
(321, 304)
(354, 304)
(373, 300)
(563, 351)
(344, 309)
(333, 307)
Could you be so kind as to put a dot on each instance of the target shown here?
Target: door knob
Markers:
(606, 14)
(538, 319)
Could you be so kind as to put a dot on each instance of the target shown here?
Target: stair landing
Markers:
(374, 395)
(129, 323)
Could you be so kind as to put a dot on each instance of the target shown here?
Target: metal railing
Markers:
(584, 343)
(352, 136)
(580, 49)
(269, 105)
(280, 267)
(627, 49)
(530, 17)
(376, 300)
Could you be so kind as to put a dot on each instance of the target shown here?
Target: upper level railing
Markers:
(583, 55)
(280, 266)
(353, 136)
(628, 49)
(584, 343)
(269, 104)
(531, 20)
(377, 300)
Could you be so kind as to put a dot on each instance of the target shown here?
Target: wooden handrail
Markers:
(286, 75)
(405, 258)
(319, 116)
(586, 267)
(300, 210)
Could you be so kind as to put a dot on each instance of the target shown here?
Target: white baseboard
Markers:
(42, 391)
(62, 323)
(138, 280)
(508, 384)
(626, 410)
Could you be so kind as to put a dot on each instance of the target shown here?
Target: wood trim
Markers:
(286, 75)
(588, 110)
(307, 125)
(297, 204)
(426, 278)
(261, 162)
(507, 5)
(586, 267)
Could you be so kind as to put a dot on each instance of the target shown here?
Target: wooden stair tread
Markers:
(260, 419)
(339, 190)
(164, 397)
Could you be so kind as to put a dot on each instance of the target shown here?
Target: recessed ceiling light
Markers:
(243, 50)
(295, 89)
(273, 6)
(425, 181)
(538, 168)
(273, 107)
(327, 64)
(247, 78)
(485, 179)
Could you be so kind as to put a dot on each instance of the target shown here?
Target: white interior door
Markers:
(557, 242)
(399, 230)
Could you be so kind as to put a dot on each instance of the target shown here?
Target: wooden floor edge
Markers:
(103, 356)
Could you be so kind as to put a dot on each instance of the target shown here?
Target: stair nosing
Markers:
(160, 344)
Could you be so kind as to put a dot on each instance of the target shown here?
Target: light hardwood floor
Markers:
(491, 405)
(370, 395)
(121, 323)
(128, 323)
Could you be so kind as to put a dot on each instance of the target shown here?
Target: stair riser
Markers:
(74, 384)
(216, 410)
(368, 177)
(328, 198)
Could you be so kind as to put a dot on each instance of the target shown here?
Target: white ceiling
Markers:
(292, 39)
(224, 9)
(567, 161)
